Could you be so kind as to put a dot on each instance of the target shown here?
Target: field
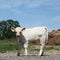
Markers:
(10, 45)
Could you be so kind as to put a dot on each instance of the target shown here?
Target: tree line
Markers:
(5, 28)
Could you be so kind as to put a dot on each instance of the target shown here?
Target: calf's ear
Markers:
(12, 29)
(23, 29)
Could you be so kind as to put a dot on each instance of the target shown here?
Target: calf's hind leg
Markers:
(41, 50)
(42, 46)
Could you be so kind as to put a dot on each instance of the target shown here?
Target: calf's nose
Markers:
(18, 36)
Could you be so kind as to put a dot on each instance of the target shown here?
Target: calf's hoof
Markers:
(18, 54)
(41, 55)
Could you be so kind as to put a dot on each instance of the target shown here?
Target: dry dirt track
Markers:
(46, 57)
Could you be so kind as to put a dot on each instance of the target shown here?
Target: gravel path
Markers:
(31, 57)
(47, 56)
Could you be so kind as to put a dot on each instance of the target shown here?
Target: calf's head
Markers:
(18, 30)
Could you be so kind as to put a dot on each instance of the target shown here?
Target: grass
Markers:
(52, 47)
(8, 45)
(11, 45)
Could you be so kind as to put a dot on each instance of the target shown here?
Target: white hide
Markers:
(33, 33)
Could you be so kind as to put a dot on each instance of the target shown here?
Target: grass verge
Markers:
(11, 45)
(8, 45)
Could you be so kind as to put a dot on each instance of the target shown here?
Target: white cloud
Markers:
(33, 4)
(12, 5)
(29, 3)
(53, 4)
(39, 3)
(6, 4)
(18, 13)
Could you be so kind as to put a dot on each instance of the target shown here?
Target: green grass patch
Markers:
(52, 48)
(8, 45)
(49, 48)
(33, 48)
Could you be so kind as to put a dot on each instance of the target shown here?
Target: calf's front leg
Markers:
(26, 46)
(19, 46)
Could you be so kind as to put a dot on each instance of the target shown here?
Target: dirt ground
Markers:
(51, 52)
(29, 57)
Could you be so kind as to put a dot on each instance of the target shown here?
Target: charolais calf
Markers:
(24, 35)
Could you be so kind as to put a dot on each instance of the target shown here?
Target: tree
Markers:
(5, 28)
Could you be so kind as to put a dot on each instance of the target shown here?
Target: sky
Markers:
(32, 13)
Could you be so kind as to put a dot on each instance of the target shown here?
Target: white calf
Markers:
(24, 35)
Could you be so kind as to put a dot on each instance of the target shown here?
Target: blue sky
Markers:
(32, 13)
